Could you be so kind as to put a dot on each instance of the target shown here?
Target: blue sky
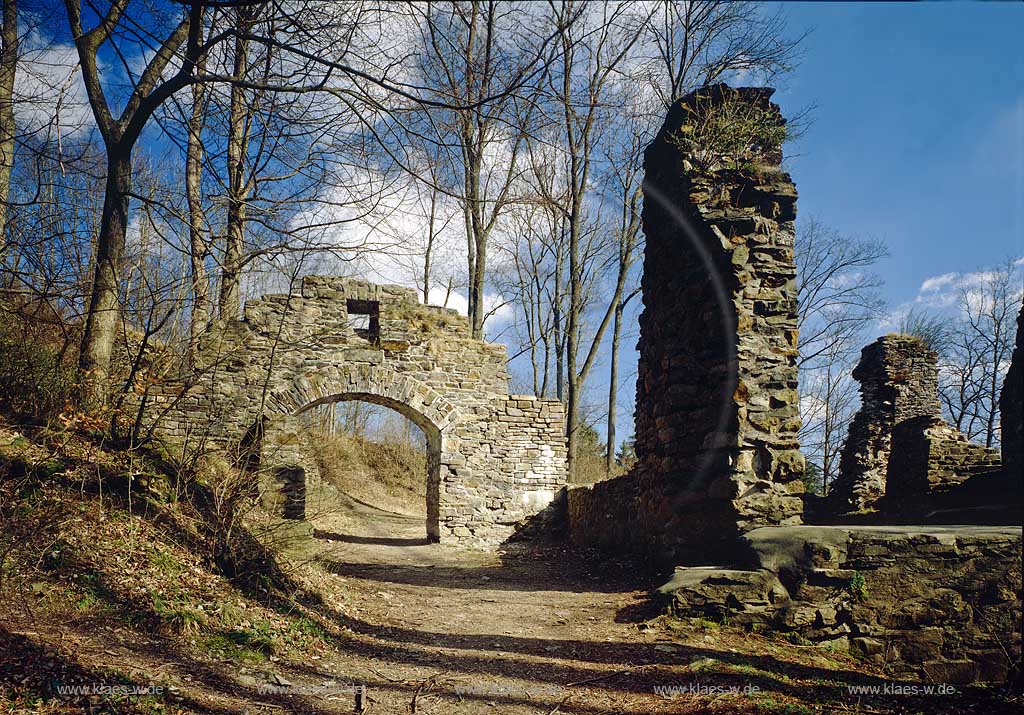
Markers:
(917, 139)
(918, 135)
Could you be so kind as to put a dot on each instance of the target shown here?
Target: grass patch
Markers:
(259, 637)
(179, 614)
(224, 645)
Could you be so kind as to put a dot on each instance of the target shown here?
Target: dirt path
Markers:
(535, 629)
(437, 630)
(458, 631)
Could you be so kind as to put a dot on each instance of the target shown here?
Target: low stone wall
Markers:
(603, 515)
(929, 458)
(942, 603)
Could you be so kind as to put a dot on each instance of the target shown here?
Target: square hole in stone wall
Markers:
(364, 319)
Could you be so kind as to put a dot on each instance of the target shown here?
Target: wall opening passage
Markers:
(291, 482)
(364, 319)
(382, 460)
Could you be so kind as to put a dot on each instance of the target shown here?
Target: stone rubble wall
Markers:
(604, 514)
(899, 453)
(899, 380)
(941, 603)
(1011, 410)
(717, 403)
(495, 459)
(929, 458)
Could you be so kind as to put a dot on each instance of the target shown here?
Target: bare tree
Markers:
(829, 400)
(182, 43)
(591, 49)
(697, 43)
(240, 182)
(836, 293)
(838, 298)
(625, 169)
(198, 230)
(9, 43)
(975, 352)
(473, 53)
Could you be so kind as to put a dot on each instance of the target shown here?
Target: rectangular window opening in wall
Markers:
(364, 319)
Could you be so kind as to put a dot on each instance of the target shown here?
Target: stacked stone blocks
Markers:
(717, 402)
(495, 459)
(940, 603)
(898, 447)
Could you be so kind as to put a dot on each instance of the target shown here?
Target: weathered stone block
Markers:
(940, 618)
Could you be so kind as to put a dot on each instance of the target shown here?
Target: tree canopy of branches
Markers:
(303, 133)
(838, 299)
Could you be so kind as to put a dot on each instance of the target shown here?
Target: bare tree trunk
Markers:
(572, 328)
(992, 398)
(613, 388)
(104, 304)
(476, 234)
(119, 137)
(198, 245)
(476, 287)
(238, 146)
(8, 69)
(556, 307)
(430, 247)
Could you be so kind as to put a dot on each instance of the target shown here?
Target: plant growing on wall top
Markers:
(727, 130)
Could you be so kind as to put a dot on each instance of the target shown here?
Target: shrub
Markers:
(729, 132)
(858, 587)
(37, 376)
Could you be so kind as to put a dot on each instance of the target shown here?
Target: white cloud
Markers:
(947, 293)
(49, 91)
(935, 283)
(388, 246)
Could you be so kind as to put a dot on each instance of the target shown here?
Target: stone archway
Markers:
(499, 459)
(417, 402)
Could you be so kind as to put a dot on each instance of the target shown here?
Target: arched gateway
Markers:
(494, 459)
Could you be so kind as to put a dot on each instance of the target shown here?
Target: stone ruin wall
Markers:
(496, 459)
(717, 401)
(899, 380)
(718, 477)
(939, 603)
(929, 459)
(899, 453)
(1011, 411)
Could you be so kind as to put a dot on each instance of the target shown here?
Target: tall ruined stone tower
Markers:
(717, 402)
(899, 380)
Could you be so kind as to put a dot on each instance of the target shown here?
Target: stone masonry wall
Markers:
(898, 378)
(495, 460)
(1011, 410)
(898, 445)
(929, 458)
(939, 603)
(717, 404)
(604, 514)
